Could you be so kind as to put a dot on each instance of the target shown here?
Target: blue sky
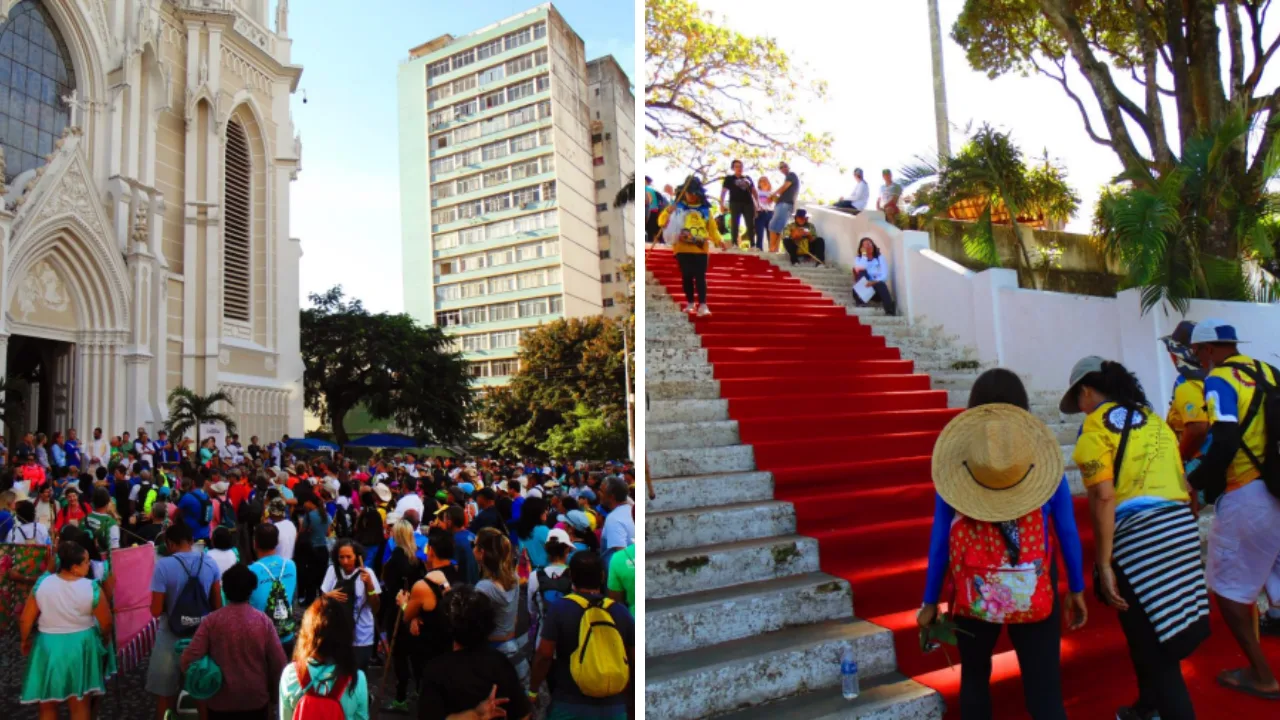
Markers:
(345, 203)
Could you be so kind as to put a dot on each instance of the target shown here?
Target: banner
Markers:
(133, 568)
(27, 561)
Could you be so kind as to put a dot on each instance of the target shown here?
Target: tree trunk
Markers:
(939, 83)
(337, 418)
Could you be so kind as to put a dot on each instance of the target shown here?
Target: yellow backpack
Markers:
(599, 665)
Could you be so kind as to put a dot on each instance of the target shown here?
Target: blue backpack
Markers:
(192, 605)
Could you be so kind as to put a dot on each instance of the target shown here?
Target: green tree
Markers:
(397, 369)
(711, 93)
(1171, 50)
(570, 389)
(188, 409)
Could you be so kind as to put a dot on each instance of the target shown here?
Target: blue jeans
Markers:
(762, 224)
(781, 216)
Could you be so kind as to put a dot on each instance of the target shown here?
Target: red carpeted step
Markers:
(832, 324)
(767, 314)
(799, 453)
(812, 400)
(867, 504)
(805, 374)
(838, 427)
(781, 337)
(819, 480)
(837, 384)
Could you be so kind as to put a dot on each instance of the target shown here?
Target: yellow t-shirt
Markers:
(1188, 404)
(1228, 392)
(696, 224)
(1152, 466)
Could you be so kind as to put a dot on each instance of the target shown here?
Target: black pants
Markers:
(817, 248)
(409, 660)
(1160, 683)
(693, 275)
(652, 232)
(882, 294)
(847, 206)
(1039, 660)
(744, 212)
(313, 562)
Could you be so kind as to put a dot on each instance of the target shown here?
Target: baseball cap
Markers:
(1085, 366)
(802, 213)
(277, 508)
(1214, 331)
(576, 518)
(561, 535)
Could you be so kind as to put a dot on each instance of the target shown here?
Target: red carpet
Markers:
(847, 430)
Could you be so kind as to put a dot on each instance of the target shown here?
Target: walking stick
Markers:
(822, 264)
(391, 651)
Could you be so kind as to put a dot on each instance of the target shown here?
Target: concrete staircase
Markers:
(740, 622)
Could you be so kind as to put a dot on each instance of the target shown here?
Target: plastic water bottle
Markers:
(848, 674)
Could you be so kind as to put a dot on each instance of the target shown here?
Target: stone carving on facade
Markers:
(140, 232)
(166, 87)
(72, 197)
(148, 26)
(282, 18)
(253, 76)
(203, 78)
(41, 288)
(252, 33)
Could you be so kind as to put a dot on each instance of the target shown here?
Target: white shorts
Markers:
(1244, 545)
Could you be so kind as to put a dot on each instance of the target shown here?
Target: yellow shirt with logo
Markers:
(1228, 393)
(1188, 404)
(695, 225)
(1152, 466)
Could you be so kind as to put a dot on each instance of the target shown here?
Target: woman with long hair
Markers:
(869, 266)
(1037, 641)
(324, 662)
(65, 626)
(532, 530)
(349, 582)
(499, 583)
(313, 544)
(1139, 505)
(399, 573)
(764, 193)
(368, 530)
(689, 229)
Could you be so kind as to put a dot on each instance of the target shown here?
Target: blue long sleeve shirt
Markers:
(1059, 509)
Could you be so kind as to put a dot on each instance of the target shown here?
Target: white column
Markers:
(4, 364)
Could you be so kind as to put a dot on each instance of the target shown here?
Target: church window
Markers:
(35, 74)
(236, 232)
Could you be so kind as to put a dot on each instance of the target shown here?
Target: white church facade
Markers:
(144, 231)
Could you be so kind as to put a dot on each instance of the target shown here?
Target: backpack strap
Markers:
(578, 600)
(338, 687)
(1262, 388)
(1124, 441)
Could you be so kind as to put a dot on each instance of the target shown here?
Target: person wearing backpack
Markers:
(348, 581)
(687, 225)
(423, 634)
(277, 584)
(322, 682)
(224, 512)
(551, 582)
(475, 680)
(595, 681)
(196, 507)
(241, 642)
(185, 587)
(1015, 492)
(654, 203)
(1241, 469)
(1139, 505)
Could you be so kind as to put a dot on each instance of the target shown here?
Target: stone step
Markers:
(675, 356)
(717, 525)
(678, 572)
(685, 411)
(702, 434)
(700, 461)
(662, 372)
(673, 390)
(688, 622)
(664, 339)
(754, 670)
(886, 697)
(701, 491)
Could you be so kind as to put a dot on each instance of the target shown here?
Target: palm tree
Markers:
(187, 410)
(626, 195)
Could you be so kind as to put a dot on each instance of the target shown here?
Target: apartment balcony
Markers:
(527, 294)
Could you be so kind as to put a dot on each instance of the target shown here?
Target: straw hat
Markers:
(383, 492)
(996, 463)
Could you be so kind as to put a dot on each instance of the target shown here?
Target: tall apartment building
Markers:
(498, 196)
(612, 104)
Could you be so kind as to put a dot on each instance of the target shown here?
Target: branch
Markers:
(1270, 136)
(1133, 72)
(1257, 15)
(1088, 124)
(1235, 42)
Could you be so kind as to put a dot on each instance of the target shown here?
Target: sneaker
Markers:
(691, 309)
(704, 311)
(396, 706)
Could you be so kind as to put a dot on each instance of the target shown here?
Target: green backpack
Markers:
(278, 607)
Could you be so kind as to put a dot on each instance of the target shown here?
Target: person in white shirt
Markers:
(99, 449)
(348, 573)
(278, 512)
(861, 195)
(145, 448)
(619, 526)
(869, 266)
(26, 531)
(410, 499)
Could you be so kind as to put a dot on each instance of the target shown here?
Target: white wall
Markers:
(1040, 335)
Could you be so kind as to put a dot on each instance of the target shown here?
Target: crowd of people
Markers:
(282, 582)
(1003, 505)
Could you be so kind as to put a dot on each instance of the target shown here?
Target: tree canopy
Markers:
(394, 367)
(713, 94)
(569, 397)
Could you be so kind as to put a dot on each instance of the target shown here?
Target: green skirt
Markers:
(60, 667)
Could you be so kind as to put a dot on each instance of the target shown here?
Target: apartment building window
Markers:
(493, 151)
(539, 31)
(505, 311)
(504, 340)
(501, 368)
(435, 95)
(602, 207)
(608, 302)
(470, 262)
(444, 268)
(604, 254)
(493, 125)
(533, 308)
(468, 184)
(471, 316)
(493, 74)
(444, 241)
(436, 69)
(544, 108)
(493, 100)
(522, 116)
(556, 304)
(549, 190)
(470, 157)
(548, 163)
(438, 118)
(503, 283)
(444, 216)
(523, 90)
(441, 191)
(470, 210)
(544, 136)
(526, 196)
(551, 248)
(602, 230)
(448, 318)
(524, 170)
(440, 142)
(472, 289)
(596, 137)
(463, 84)
(496, 177)
(466, 109)
(520, 64)
(506, 256)
(497, 203)
(606, 278)
(489, 49)
(478, 369)
(472, 343)
(448, 292)
(471, 236)
(543, 83)
(531, 251)
(540, 57)
(465, 133)
(464, 58)
(518, 38)
(601, 183)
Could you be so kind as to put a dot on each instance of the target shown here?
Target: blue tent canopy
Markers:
(312, 444)
(384, 440)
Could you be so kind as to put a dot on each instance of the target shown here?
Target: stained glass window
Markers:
(35, 74)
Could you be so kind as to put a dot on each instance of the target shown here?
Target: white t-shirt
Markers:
(860, 195)
(619, 528)
(29, 534)
(288, 538)
(45, 513)
(364, 622)
(224, 559)
(66, 606)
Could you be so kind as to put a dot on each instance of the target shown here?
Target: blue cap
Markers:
(576, 518)
(1214, 331)
(467, 487)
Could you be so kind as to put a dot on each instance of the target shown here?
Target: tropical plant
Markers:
(1161, 232)
(989, 171)
(712, 93)
(626, 194)
(188, 410)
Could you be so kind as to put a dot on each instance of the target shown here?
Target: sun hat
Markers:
(383, 492)
(577, 519)
(1091, 364)
(1178, 344)
(219, 488)
(1182, 333)
(561, 535)
(1214, 331)
(277, 508)
(996, 462)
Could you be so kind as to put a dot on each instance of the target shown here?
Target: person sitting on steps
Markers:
(870, 266)
(801, 239)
